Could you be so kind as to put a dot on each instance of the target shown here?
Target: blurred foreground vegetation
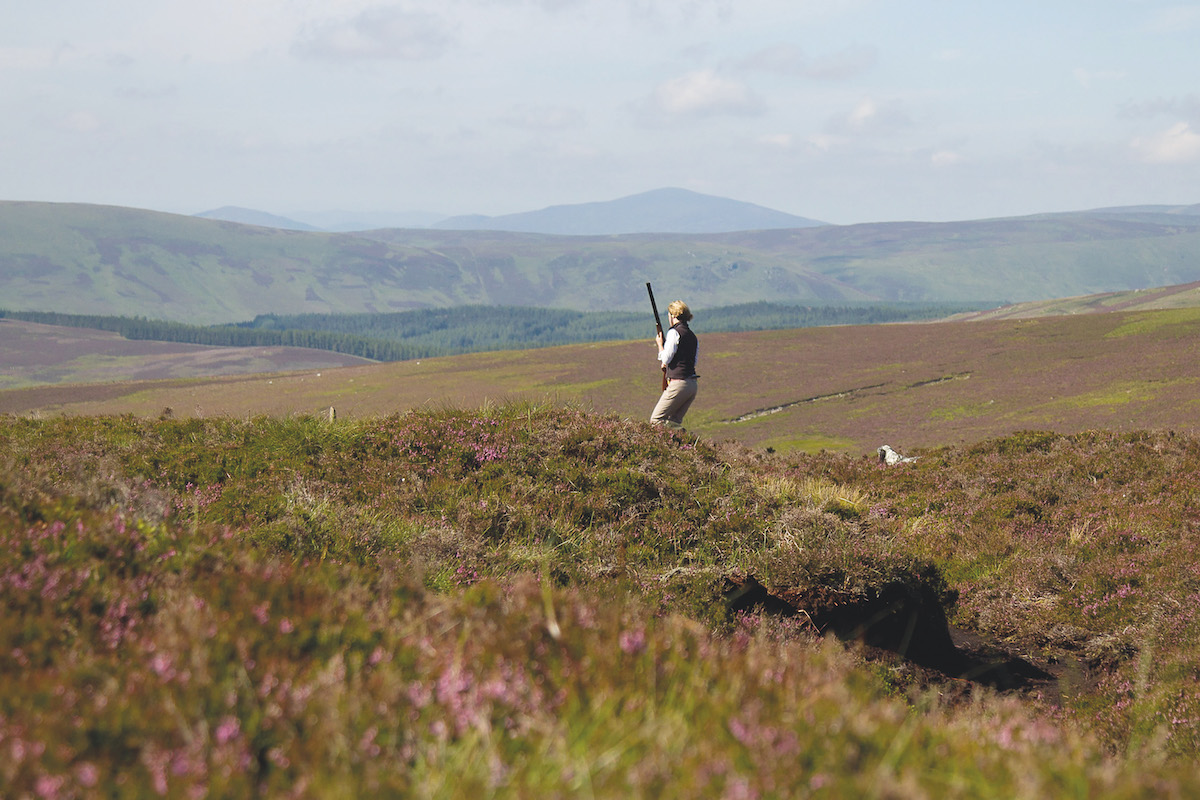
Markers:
(527, 601)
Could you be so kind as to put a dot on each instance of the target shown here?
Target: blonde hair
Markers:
(679, 310)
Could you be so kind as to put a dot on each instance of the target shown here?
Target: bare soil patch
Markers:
(910, 632)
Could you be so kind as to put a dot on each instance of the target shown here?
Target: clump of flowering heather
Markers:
(174, 661)
(1082, 550)
(525, 601)
(461, 495)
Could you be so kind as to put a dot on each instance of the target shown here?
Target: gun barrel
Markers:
(654, 308)
(658, 327)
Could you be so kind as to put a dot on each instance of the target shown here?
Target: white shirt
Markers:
(670, 345)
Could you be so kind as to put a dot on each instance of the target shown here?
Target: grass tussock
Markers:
(528, 601)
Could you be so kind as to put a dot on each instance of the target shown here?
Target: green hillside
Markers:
(1163, 297)
(125, 262)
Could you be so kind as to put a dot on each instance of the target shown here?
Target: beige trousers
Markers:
(675, 401)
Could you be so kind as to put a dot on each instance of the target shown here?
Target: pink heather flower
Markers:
(87, 775)
(161, 664)
(1005, 737)
(262, 613)
(49, 786)
(632, 642)
(419, 694)
(228, 730)
(368, 745)
(286, 626)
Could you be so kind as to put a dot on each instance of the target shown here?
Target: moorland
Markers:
(486, 575)
(841, 388)
(537, 600)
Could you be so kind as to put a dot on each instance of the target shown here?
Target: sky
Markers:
(844, 111)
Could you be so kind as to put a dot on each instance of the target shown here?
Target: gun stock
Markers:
(657, 326)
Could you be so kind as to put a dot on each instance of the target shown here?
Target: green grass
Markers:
(813, 443)
(530, 600)
(1146, 322)
(1120, 393)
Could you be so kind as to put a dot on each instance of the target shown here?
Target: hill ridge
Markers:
(667, 210)
(80, 258)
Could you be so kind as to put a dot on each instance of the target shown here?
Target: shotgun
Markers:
(658, 326)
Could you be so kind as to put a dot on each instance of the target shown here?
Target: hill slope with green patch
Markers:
(849, 388)
(1183, 296)
(126, 262)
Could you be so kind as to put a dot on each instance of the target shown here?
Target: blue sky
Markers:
(840, 110)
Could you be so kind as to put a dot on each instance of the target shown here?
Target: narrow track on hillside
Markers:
(763, 412)
(840, 395)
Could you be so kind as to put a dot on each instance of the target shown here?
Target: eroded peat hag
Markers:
(530, 600)
(908, 622)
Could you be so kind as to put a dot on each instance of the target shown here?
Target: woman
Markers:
(677, 354)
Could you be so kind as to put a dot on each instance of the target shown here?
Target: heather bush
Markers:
(529, 601)
(200, 668)
(1080, 550)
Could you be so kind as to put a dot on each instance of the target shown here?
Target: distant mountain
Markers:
(248, 216)
(327, 221)
(347, 221)
(658, 211)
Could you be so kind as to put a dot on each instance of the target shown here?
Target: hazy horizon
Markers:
(849, 111)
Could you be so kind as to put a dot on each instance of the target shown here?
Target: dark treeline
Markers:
(425, 333)
(232, 336)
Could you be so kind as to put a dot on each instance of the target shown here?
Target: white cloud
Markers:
(870, 118)
(823, 142)
(80, 122)
(1175, 19)
(1186, 107)
(389, 33)
(1178, 144)
(945, 158)
(1088, 78)
(26, 58)
(544, 118)
(849, 63)
(863, 114)
(783, 141)
(788, 59)
(699, 94)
